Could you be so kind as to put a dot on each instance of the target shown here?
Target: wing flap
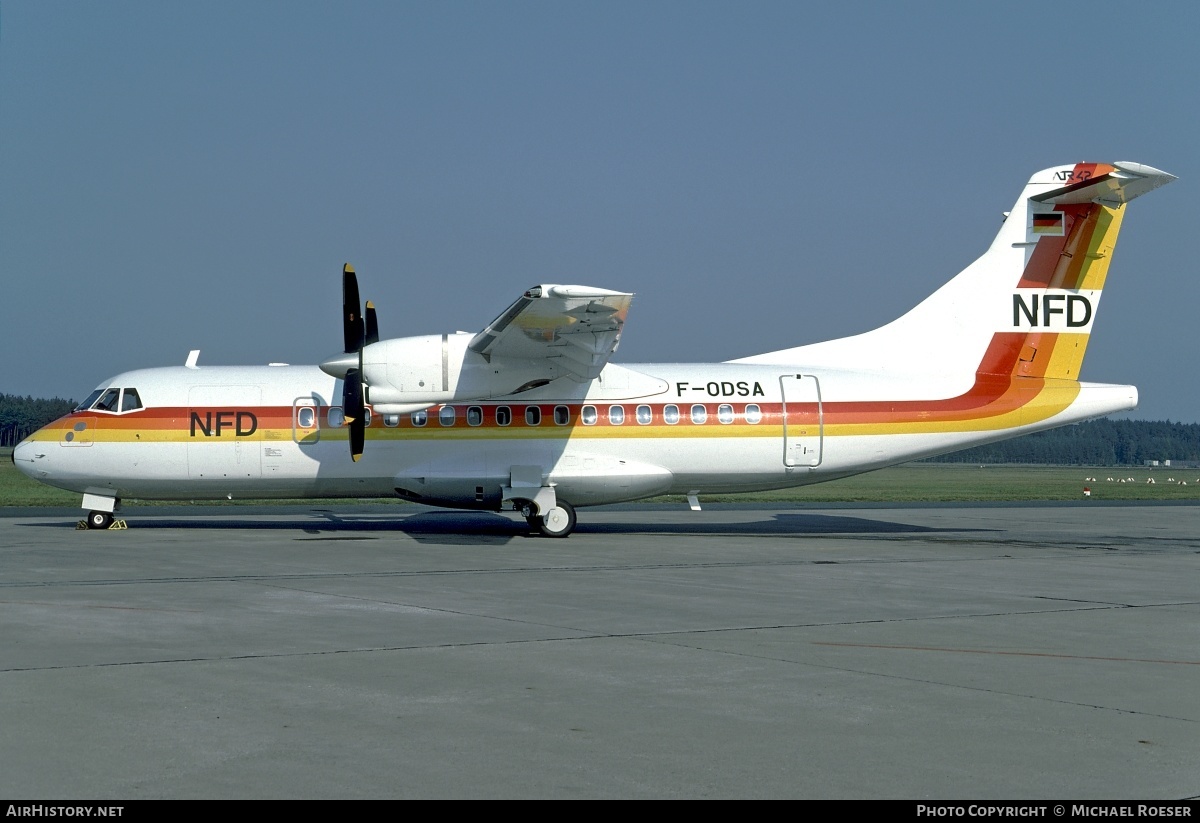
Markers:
(575, 327)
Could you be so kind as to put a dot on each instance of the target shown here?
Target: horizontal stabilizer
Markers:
(1104, 184)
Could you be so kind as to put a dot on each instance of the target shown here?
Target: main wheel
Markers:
(99, 520)
(558, 522)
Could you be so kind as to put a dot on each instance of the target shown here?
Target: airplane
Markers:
(531, 415)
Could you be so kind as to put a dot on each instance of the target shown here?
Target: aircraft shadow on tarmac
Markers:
(466, 527)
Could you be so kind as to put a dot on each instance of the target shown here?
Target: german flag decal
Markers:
(1048, 224)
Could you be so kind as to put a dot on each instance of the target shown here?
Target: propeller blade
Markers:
(352, 321)
(358, 437)
(354, 411)
(372, 335)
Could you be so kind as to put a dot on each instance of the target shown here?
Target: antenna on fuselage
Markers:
(193, 358)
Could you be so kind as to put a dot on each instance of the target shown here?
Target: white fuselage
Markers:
(634, 432)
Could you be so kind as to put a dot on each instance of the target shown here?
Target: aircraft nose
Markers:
(29, 457)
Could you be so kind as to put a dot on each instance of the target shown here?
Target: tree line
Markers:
(1094, 443)
(1101, 442)
(21, 416)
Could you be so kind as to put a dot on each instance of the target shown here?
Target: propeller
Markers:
(358, 333)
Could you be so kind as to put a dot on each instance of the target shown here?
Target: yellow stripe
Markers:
(1100, 250)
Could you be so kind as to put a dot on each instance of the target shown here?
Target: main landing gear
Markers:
(559, 521)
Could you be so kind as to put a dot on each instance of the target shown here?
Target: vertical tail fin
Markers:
(1026, 307)
(1071, 234)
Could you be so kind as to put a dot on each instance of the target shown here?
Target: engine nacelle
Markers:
(438, 368)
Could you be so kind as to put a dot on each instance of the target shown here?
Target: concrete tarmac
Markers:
(933, 652)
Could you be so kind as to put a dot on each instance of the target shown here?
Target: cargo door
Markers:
(802, 420)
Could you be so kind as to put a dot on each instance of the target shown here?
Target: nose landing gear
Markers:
(100, 512)
(99, 520)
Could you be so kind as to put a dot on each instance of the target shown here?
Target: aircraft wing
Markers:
(574, 327)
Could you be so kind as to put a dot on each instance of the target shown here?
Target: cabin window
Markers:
(306, 417)
(753, 413)
(474, 416)
(562, 415)
(108, 401)
(446, 415)
(503, 415)
(588, 415)
(644, 416)
(616, 415)
(420, 418)
(670, 414)
(391, 420)
(130, 400)
(725, 413)
(699, 414)
(533, 415)
(335, 418)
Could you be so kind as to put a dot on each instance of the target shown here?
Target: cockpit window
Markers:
(112, 400)
(91, 398)
(108, 401)
(130, 400)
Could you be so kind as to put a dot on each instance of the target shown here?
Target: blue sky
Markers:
(193, 175)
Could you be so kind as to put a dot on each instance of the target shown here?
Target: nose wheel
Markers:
(99, 520)
(557, 522)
